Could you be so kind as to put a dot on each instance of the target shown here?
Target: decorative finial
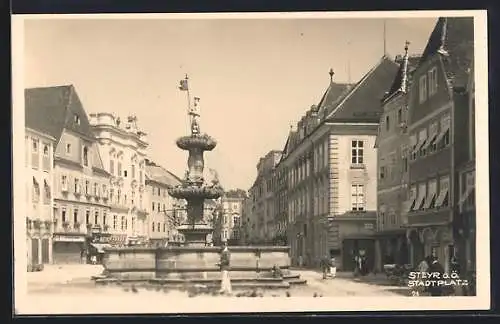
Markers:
(407, 43)
(331, 74)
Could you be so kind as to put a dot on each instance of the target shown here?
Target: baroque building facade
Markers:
(392, 161)
(122, 146)
(39, 152)
(438, 112)
(80, 182)
(332, 171)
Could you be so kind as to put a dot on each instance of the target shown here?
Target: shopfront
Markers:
(68, 249)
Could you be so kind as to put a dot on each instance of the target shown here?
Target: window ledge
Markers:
(357, 166)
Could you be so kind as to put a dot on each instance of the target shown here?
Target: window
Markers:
(133, 171)
(404, 158)
(87, 217)
(77, 186)
(111, 166)
(64, 182)
(133, 223)
(152, 227)
(123, 221)
(431, 194)
(158, 227)
(153, 206)
(46, 150)
(87, 185)
(133, 197)
(422, 139)
(387, 123)
(104, 218)
(422, 193)
(96, 217)
(442, 199)
(75, 216)
(236, 221)
(159, 192)
(400, 115)
(115, 221)
(118, 196)
(68, 148)
(357, 152)
(433, 83)
(357, 197)
(433, 133)
(95, 189)
(413, 146)
(119, 169)
(413, 198)
(444, 136)
(35, 146)
(382, 172)
(76, 118)
(159, 209)
(85, 156)
(422, 88)
(164, 227)
(63, 215)
(164, 208)
(140, 177)
(125, 173)
(46, 195)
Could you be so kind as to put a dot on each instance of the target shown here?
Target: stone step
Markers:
(205, 281)
(296, 282)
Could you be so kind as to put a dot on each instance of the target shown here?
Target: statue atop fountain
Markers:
(194, 189)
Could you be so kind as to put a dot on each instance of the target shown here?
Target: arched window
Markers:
(85, 156)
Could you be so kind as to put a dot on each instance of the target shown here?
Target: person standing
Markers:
(333, 267)
(436, 267)
(224, 267)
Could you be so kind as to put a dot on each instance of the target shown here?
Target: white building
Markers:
(122, 147)
(165, 213)
(39, 149)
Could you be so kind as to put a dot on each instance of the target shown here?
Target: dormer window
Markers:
(85, 156)
(68, 148)
(77, 119)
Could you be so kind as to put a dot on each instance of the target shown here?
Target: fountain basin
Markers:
(203, 142)
(174, 266)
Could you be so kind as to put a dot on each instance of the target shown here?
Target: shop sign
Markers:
(63, 238)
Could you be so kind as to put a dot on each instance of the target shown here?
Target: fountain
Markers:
(194, 189)
(196, 263)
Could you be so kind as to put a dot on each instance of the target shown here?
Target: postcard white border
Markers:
(72, 304)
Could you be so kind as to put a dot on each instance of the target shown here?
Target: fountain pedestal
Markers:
(195, 234)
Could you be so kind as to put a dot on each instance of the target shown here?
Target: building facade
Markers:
(39, 153)
(438, 111)
(80, 183)
(231, 220)
(392, 161)
(165, 213)
(263, 213)
(122, 147)
(332, 171)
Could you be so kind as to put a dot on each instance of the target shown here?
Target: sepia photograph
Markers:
(189, 163)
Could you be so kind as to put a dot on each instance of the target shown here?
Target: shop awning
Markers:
(100, 246)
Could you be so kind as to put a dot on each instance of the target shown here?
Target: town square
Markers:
(169, 158)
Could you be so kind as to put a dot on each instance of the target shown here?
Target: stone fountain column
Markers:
(193, 188)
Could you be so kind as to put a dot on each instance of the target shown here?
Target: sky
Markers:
(254, 77)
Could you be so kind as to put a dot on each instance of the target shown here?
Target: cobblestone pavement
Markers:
(68, 279)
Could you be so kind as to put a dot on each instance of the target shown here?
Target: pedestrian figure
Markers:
(325, 267)
(436, 267)
(224, 267)
(333, 267)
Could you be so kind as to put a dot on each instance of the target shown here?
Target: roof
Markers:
(332, 95)
(50, 110)
(161, 175)
(397, 84)
(453, 39)
(362, 102)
